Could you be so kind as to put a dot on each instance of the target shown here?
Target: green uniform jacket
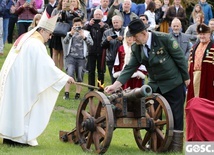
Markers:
(166, 64)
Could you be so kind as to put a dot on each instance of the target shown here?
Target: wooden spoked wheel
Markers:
(159, 136)
(95, 122)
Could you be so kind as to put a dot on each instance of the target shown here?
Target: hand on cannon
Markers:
(113, 88)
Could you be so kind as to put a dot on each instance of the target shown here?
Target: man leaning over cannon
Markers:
(167, 69)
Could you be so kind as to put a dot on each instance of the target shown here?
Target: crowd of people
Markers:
(157, 14)
(153, 39)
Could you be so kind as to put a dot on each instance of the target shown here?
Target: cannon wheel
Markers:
(159, 136)
(95, 122)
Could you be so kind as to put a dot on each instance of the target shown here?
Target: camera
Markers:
(114, 36)
(96, 21)
(78, 28)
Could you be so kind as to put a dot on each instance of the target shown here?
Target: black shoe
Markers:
(77, 96)
(12, 143)
(66, 96)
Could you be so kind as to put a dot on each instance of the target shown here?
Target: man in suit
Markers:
(182, 38)
(167, 69)
(178, 11)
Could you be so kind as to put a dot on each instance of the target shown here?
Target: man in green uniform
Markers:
(166, 66)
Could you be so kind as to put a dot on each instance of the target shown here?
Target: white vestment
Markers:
(29, 86)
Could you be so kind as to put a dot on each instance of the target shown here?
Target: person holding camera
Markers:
(76, 45)
(96, 27)
(26, 10)
(67, 10)
(112, 40)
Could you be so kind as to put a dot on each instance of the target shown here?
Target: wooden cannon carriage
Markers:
(99, 115)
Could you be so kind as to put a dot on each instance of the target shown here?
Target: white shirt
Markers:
(151, 19)
(148, 43)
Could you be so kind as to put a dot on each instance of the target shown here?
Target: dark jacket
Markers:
(166, 65)
(2, 7)
(159, 16)
(112, 45)
(181, 15)
(7, 9)
(126, 17)
(96, 33)
(50, 8)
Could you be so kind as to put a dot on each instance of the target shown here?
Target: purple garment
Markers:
(39, 4)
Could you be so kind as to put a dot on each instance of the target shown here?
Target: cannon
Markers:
(99, 115)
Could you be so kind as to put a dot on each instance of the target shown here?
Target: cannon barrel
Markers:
(136, 93)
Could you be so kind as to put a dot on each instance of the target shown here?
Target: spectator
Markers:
(25, 11)
(40, 5)
(89, 8)
(191, 30)
(208, 14)
(68, 11)
(91, 5)
(125, 12)
(28, 66)
(122, 59)
(12, 22)
(197, 9)
(96, 56)
(178, 11)
(144, 19)
(111, 41)
(35, 22)
(55, 41)
(104, 7)
(141, 8)
(167, 69)
(6, 18)
(133, 6)
(158, 13)
(2, 10)
(211, 25)
(201, 69)
(75, 52)
(164, 26)
(181, 38)
(52, 4)
(150, 12)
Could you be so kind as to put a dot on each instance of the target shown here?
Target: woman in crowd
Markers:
(26, 10)
(150, 12)
(164, 26)
(196, 10)
(191, 30)
(67, 12)
(36, 19)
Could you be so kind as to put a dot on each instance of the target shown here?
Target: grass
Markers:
(63, 118)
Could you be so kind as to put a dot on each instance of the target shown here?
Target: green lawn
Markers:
(63, 118)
